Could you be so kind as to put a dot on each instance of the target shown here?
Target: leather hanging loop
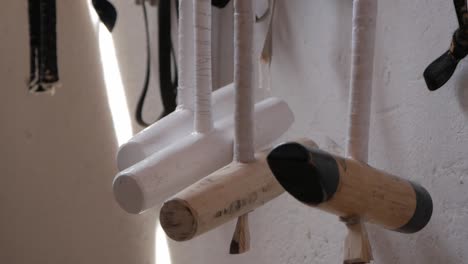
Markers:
(441, 70)
(220, 3)
(106, 12)
(44, 75)
(167, 82)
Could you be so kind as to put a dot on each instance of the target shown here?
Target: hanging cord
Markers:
(167, 85)
(244, 134)
(166, 52)
(442, 69)
(141, 100)
(44, 75)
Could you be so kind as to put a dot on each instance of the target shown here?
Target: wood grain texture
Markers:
(357, 246)
(348, 188)
(222, 196)
(376, 196)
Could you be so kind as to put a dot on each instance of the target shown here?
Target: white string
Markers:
(363, 36)
(243, 27)
(185, 93)
(202, 17)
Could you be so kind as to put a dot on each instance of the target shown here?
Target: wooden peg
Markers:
(240, 242)
(357, 248)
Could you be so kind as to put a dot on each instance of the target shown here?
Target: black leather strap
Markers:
(441, 70)
(43, 45)
(106, 12)
(167, 61)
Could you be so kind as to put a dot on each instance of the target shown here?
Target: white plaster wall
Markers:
(416, 134)
(57, 153)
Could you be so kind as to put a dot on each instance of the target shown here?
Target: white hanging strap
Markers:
(203, 83)
(357, 248)
(185, 93)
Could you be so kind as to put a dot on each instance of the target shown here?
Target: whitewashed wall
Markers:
(57, 153)
(416, 134)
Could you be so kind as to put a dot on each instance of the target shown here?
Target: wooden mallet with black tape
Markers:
(349, 188)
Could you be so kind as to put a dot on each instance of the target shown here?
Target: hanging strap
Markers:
(167, 61)
(442, 69)
(168, 87)
(220, 3)
(106, 12)
(44, 75)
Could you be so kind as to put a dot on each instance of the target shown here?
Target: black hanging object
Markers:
(106, 12)
(219, 3)
(168, 81)
(141, 100)
(43, 45)
(168, 86)
(442, 69)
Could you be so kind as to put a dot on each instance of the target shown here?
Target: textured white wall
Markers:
(58, 152)
(416, 134)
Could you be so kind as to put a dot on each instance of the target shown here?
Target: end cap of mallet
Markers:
(178, 220)
(423, 212)
(310, 175)
(129, 154)
(128, 193)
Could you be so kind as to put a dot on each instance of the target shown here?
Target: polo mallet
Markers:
(349, 188)
(149, 182)
(241, 186)
(442, 69)
(180, 122)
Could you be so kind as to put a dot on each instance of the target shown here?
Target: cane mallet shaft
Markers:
(244, 151)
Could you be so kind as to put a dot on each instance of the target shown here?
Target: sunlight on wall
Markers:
(113, 80)
(120, 113)
(162, 255)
